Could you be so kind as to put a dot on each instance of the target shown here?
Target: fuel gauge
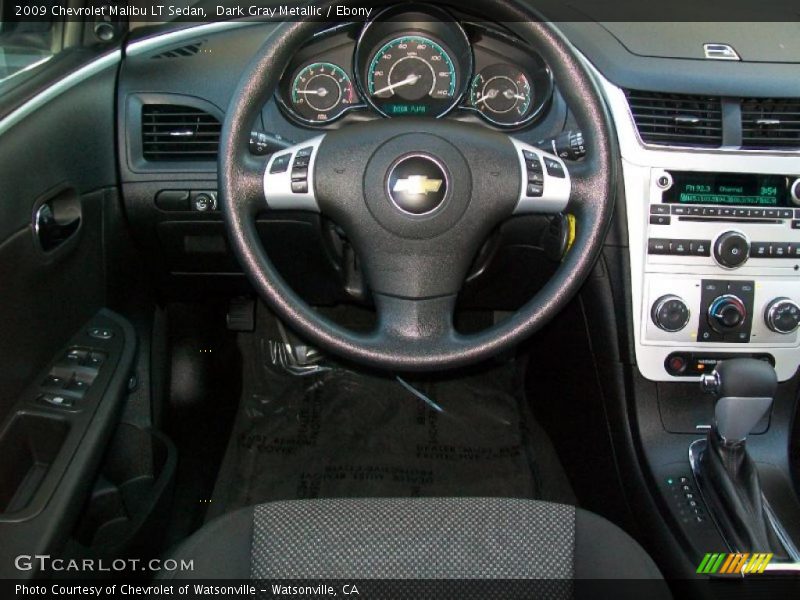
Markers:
(502, 94)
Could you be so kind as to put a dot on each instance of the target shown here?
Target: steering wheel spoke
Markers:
(288, 179)
(545, 185)
(408, 321)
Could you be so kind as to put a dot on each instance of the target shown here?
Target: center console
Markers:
(720, 272)
(713, 274)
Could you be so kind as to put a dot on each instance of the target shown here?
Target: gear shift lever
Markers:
(745, 388)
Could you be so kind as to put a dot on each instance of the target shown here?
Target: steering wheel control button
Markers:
(545, 182)
(417, 184)
(280, 164)
(534, 190)
(670, 313)
(554, 168)
(288, 178)
(731, 249)
(782, 316)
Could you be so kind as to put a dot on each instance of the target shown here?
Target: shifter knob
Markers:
(745, 388)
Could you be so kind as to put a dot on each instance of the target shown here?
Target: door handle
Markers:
(51, 229)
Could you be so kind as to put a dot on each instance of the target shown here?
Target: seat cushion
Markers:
(420, 538)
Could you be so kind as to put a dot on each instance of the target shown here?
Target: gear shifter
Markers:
(745, 388)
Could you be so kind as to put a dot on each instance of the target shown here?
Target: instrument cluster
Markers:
(416, 62)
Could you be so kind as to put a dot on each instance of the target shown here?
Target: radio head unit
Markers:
(729, 189)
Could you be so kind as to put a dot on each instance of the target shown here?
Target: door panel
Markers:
(62, 153)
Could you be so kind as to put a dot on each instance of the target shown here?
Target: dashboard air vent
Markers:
(171, 133)
(181, 52)
(770, 123)
(677, 119)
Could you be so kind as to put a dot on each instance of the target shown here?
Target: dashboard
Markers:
(419, 62)
(708, 151)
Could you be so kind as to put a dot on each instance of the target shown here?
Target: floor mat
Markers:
(347, 434)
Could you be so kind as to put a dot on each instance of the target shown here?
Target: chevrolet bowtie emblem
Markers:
(417, 185)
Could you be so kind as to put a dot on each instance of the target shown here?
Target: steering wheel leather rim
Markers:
(592, 199)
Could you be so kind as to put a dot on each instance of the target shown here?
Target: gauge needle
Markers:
(410, 80)
(321, 92)
(509, 94)
(491, 94)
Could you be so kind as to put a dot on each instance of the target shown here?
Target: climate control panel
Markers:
(693, 313)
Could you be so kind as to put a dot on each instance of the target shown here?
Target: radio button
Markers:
(657, 246)
(659, 220)
(700, 248)
(680, 210)
(680, 247)
(710, 212)
(757, 212)
(731, 249)
(659, 209)
(760, 250)
(726, 212)
(696, 210)
(780, 250)
(742, 212)
(795, 224)
(771, 213)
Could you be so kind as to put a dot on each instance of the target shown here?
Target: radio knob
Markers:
(670, 313)
(731, 249)
(795, 192)
(782, 316)
(726, 313)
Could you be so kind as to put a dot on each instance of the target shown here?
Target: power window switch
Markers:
(101, 333)
(95, 359)
(57, 400)
(54, 382)
(76, 356)
(77, 386)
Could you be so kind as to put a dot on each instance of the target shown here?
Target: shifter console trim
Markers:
(696, 451)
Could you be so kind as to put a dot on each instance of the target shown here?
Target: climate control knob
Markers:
(731, 249)
(670, 313)
(727, 313)
(782, 316)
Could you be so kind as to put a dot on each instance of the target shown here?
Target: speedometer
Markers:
(412, 75)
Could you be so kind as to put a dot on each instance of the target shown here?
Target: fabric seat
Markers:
(424, 538)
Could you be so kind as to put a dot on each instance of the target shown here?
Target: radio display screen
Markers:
(727, 189)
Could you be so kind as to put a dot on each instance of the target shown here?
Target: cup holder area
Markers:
(28, 447)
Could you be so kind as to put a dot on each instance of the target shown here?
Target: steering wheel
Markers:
(417, 198)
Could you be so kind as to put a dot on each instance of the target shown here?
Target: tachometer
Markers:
(412, 75)
(321, 92)
(502, 94)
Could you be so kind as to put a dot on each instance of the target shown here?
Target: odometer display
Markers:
(412, 75)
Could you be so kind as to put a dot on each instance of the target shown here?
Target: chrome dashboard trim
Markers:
(162, 40)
